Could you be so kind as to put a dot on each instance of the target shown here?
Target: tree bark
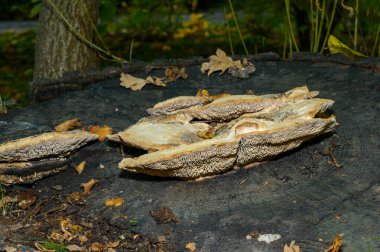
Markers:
(59, 50)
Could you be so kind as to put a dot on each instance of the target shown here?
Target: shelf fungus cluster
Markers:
(28, 159)
(190, 137)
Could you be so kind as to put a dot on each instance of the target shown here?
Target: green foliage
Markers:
(54, 246)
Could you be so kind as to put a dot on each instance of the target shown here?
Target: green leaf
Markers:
(336, 46)
(54, 246)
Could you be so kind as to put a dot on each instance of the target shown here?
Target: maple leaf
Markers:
(80, 167)
(220, 62)
(102, 132)
(68, 125)
(114, 202)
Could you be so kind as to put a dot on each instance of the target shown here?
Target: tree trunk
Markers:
(59, 50)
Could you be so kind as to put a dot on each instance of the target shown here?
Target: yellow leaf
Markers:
(220, 62)
(336, 245)
(292, 247)
(68, 125)
(191, 246)
(203, 93)
(88, 186)
(114, 202)
(80, 167)
(336, 46)
(132, 82)
(102, 132)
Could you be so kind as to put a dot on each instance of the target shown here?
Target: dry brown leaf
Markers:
(80, 167)
(74, 196)
(113, 244)
(114, 202)
(132, 82)
(220, 62)
(292, 247)
(57, 237)
(74, 247)
(163, 215)
(336, 245)
(191, 246)
(68, 125)
(111, 250)
(26, 199)
(87, 186)
(96, 246)
(102, 132)
(159, 82)
(173, 73)
(82, 239)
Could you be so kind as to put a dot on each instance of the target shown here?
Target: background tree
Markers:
(58, 49)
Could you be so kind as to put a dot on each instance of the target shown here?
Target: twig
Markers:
(329, 151)
(83, 39)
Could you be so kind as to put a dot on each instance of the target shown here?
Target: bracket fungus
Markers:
(240, 130)
(28, 159)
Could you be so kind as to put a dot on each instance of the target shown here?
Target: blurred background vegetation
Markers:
(181, 28)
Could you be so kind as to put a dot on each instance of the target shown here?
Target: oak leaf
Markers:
(88, 186)
(114, 202)
(220, 62)
(102, 132)
(68, 125)
(80, 167)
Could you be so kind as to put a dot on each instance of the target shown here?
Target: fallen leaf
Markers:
(292, 247)
(220, 62)
(191, 246)
(80, 167)
(336, 46)
(135, 83)
(132, 82)
(102, 132)
(268, 238)
(202, 93)
(113, 244)
(173, 73)
(74, 248)
(68, 125)
(87, 186)
(111, 250)
(74, 196)
(6, 200)
(82, 239)
(26, 199)
(243, 72)
(114, 202)
(49, 247)
(336, 245)
(96, 246)
(163, 215)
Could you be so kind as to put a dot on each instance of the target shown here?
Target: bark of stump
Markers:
(58, 50)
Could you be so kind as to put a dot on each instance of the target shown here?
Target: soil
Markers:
(303, 195)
